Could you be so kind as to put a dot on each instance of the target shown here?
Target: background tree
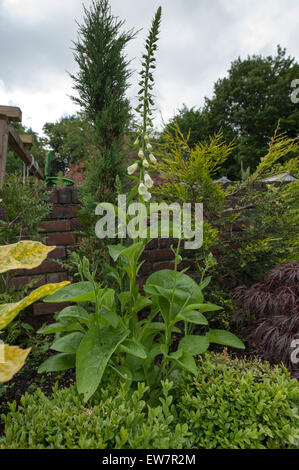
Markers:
(193, 121)
(69, 138)
(101, 84)
(246, 106)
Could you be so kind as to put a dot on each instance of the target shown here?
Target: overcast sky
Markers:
(198, 41)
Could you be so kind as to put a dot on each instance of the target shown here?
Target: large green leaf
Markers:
(224, 337)
(203, 307)
(93, 355)
(68, 343)
(73, 313)
(25, 254)
(79, 292)
(194, 344)
(63, 361)
(9, 311)
(192, 316)
(134, 348)
(60, 327)
(162, 283)
(186, 361)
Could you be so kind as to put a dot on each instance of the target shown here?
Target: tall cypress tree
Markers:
(101, 84)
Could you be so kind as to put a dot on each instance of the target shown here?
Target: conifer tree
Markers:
(101, 84)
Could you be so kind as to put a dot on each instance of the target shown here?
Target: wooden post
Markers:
(3, 146)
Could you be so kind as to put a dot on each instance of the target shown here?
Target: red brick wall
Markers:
(59, 229)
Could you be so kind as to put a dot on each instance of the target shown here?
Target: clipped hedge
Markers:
(230, 404)
(238, 404)
(120, 420)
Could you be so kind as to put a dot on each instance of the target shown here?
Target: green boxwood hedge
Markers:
(230, 404)
(238, 404)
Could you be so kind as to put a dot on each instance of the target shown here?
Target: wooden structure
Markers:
(19, 143)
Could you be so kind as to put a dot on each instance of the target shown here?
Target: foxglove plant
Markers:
(104, 329)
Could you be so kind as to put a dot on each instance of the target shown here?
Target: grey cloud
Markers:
(198, 41)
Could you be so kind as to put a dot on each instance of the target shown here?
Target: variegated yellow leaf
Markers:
(14, 358)
(26, 254)
(9, 311)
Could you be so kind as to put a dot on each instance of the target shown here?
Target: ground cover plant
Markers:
(228, 403)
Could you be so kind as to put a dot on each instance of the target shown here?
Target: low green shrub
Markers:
(238, 404)
(115, 418)
(229, 403)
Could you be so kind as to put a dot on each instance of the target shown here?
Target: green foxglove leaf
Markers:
(58, 363)
(194, 344)
(134, 348)
(60, 327)
(203, 307)
(73, 313)
(162, 283)
(224, 337)
(186, 361)
(79, 292)
(68, 343)
(192, 316)
(93, 355)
